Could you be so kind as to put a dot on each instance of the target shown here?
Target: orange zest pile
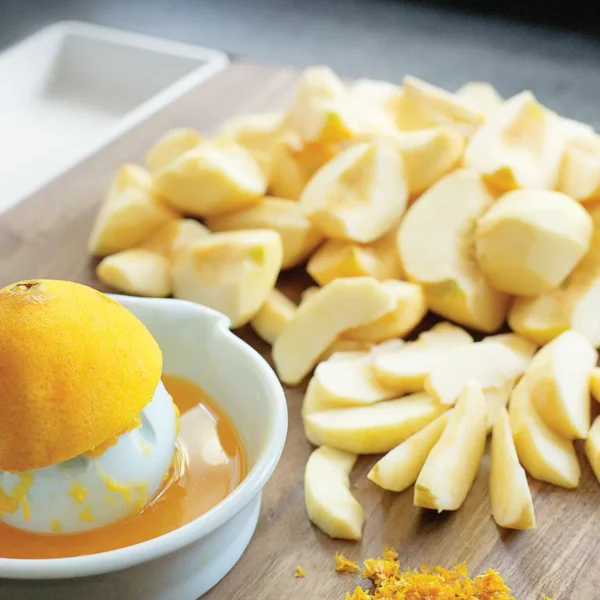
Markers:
(344, 565)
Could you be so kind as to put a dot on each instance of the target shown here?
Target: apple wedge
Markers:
(404, 370)
(454, 285)
(452, 464)
(520, 146)
(170, 146)
(273, 317)
(491, 365)
(232, 272)
(376, 105)
(335, 308)
(580, 169)
(481, 96)
(210, 179)
(408, 312)
(517, 343)
(298, 236)
(531, 240)
(322, 110)
(595, 384)
(372, 429)
(510, 496)
(329, 503)
(400, 467)
(136, 272)
(592, 448)
(558, 381)
(359, 195)
(542, 452)
(130, 213)
(174, 235)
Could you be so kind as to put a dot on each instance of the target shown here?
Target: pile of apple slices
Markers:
(399, 200)
(430, 404)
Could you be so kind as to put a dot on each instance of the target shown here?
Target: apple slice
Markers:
(322, 110)
(257, 133)
(376, 105)
(329, 503)
(337, 307)
(510, 496)
(232, 272)
(372, 429)
(595, 384)
(404, 370)
(136, 272)
(452, 464)
(293, 162)
(298, 236)
(454, 285)
(408, 312)
(580, 169)
(359, 195)
(592, 448)
(531, 240)
(558, 381)
(517, 343)
(400, 467)
(491, 365)
(273, 317)
(130, 213)
(520, 146)
(170, 146)
(211, 179)
(544, 454)
(174, 235)
(480, 96)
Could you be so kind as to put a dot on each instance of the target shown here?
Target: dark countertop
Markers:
(375, 38)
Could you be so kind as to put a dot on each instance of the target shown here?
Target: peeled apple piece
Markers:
(136, 272)
(520, 145)
(558, 381)
(510, 496)
(529, 241)
(595, 383)
(580, 169)
(171, 145)
(543, 453)
(359, 195)
(452, 464)
(232, 272)
(274, 315)
(376, 104)
(322, 110)
(437, 247)
(335, 308)
(298, 235)
(592, 448)
(400, 467)
(211, 179)
(329, 503)
(480, 96)
(174, 235)
(372, 429)
(131, 212)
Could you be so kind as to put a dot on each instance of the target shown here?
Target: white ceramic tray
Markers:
(73, 87)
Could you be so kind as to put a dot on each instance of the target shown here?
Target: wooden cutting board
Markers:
(45, 236)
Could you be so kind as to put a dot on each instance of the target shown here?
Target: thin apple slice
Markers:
(372, 429)
(558, 380)
(542, 452)
(517, 343)
(337, 307)
(531, 240)
(298, 236)
(408, 312)
(454, 285)
(481, 96)
(595, 384)
(400, 467)
(170, 146)
(491, 365)
(232, 272)
(329, 503)
(273, 317)
(452, 464)
(592, 448)
(510, 496)
(521, 145)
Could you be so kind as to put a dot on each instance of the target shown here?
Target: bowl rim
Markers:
(261, 471)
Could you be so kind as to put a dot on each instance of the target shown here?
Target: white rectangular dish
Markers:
(73, 87)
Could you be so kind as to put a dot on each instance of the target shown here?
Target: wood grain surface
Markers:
(45, 236)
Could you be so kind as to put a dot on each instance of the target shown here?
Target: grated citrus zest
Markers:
(344, 565)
